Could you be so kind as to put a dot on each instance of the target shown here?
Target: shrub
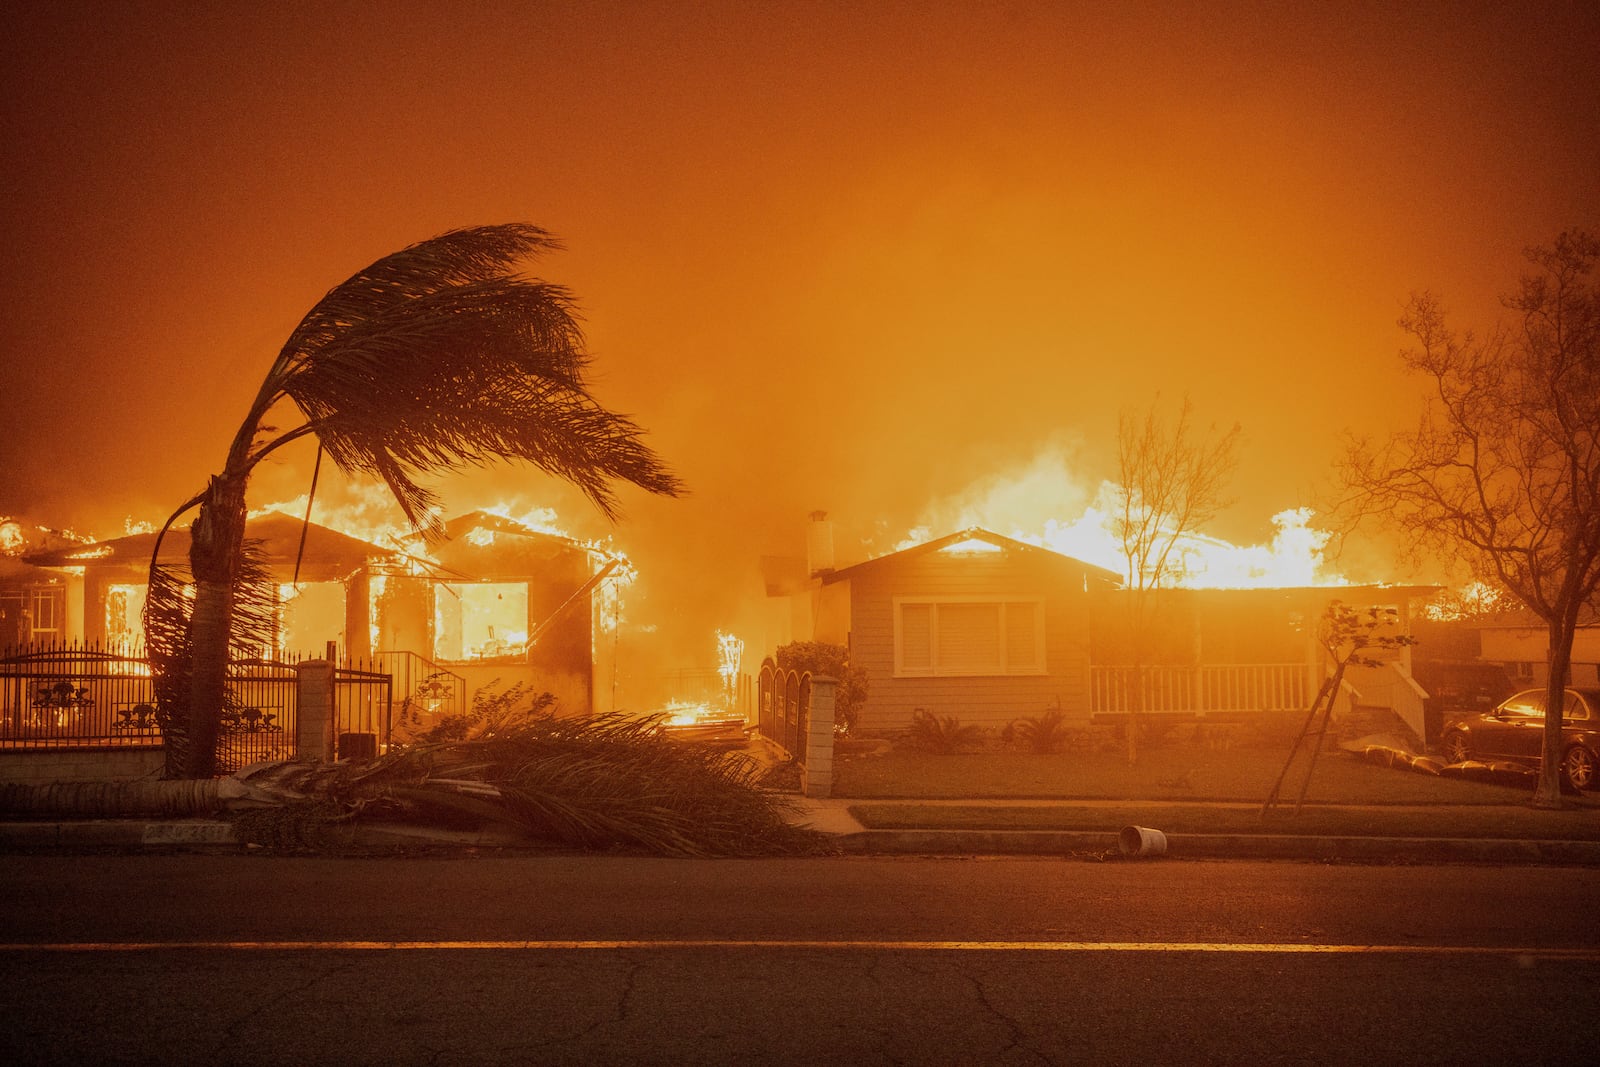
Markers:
(492, 712)
(1043, 734)
(819, 657)
(942, 734)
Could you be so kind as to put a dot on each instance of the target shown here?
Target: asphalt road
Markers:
(227, 959)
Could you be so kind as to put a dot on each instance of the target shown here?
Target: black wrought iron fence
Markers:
(261, 722)
(55, 696)
(76, 696)
(421, 691)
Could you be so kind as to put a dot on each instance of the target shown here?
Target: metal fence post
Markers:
(818, 742)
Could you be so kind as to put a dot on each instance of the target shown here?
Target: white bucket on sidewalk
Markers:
(1142, 841)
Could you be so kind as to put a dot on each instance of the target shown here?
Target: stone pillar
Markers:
(314, 733)
(818, 780)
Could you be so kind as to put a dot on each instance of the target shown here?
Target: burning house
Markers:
(990, 629)
(974, 625)
(496, 601)
(493, 601)
(33, 603)
(321, 575)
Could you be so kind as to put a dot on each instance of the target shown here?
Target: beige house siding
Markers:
(988, 701)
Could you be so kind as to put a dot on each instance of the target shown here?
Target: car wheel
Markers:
(1578, 767)
(1455, 747)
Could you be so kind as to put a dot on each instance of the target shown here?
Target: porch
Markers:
(1246, 692)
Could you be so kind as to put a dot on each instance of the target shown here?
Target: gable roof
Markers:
(279, 535)
(974, 533)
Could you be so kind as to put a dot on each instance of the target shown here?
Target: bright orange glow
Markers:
(1021, 505)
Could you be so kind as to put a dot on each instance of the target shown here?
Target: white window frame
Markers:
(999, 670)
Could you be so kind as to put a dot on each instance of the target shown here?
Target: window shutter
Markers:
(969, 638)
(1022, 637)
(916, 637)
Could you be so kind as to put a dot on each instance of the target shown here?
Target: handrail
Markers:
(1201, 689)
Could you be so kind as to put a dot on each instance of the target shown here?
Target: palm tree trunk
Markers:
(217, 539)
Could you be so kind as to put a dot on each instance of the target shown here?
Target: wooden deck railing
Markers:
(1205, 690)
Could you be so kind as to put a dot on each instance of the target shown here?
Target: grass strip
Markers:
(1469, 822)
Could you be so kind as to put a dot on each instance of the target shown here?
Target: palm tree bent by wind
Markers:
(436, 357)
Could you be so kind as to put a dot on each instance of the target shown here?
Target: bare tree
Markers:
(1503, 470)
(435, 357)
(1171, 480)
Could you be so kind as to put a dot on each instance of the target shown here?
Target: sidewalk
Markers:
(833, 816)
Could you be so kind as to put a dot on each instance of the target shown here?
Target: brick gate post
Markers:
(314, 732)
(818, 780)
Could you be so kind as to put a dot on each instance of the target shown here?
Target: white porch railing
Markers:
(1390, 686)
(1203, 690)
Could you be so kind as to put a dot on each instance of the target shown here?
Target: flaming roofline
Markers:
(978, 534)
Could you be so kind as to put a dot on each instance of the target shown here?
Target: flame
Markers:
(730, 655)
(1035, 504)
(687, 713)
(12, 541)
(1471, 601)
(363, 510)
(125, 615)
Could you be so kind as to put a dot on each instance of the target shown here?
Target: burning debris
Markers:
(701, 724)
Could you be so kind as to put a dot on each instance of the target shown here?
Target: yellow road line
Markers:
(1263, 948)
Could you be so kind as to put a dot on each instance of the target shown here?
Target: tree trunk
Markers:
(1558, 659)
(217, 540)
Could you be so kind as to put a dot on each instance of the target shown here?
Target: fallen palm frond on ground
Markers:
(605, 783)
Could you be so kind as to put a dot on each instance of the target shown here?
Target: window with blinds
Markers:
(968, 637)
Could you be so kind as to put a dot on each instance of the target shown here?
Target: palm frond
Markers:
(610, 782)
(438, 356)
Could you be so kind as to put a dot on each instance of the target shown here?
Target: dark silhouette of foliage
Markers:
(1043, 734)
(820, 657)
(941, 734)
(436, 357)
(1502, 473)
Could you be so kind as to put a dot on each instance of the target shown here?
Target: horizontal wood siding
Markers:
(988, 701)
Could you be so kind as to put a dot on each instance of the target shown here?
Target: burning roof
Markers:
(975, 540)
(280, 536)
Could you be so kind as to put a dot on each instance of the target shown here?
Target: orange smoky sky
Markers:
(855, 257)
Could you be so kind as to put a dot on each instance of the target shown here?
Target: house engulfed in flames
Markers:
(492, 602)
(990, 629)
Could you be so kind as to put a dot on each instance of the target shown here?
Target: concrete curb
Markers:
(1224, 846)
(218, 836)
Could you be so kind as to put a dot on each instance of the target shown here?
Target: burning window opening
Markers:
(480, 620)
(125, 616)
(45, 613)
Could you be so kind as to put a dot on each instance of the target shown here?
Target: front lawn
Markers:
(1172, 772)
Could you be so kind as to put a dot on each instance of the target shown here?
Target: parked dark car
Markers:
(1456, 689)
(1514, 730)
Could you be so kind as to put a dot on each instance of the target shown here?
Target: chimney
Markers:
(819, 544)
